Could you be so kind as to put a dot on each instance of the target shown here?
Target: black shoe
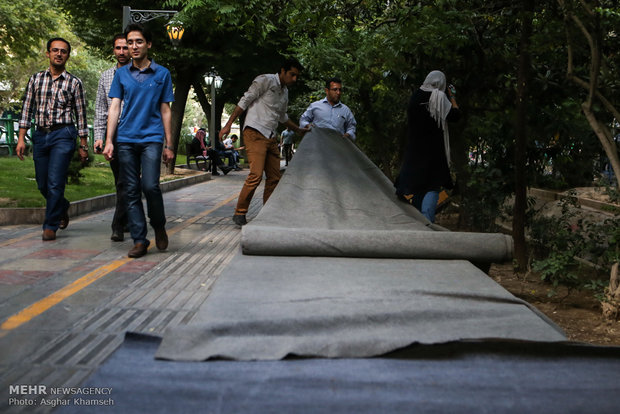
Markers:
(239, 219)
(161, 238)
(64, 220)
(215, 173)
(226, 169)
(117, 235)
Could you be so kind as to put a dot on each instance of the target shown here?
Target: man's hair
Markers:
(288, 64)
(234, 137)
(49, 43)
(136, 27)
(118, 36)
(329, 81)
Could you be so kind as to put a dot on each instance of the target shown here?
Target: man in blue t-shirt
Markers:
(144, 133)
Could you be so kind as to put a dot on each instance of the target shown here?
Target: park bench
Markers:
(197, 157)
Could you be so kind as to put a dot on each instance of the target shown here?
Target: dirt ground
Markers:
(577, 312)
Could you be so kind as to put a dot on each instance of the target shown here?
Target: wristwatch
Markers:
(167, 147)
(84, 147)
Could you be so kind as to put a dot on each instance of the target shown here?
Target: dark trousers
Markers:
(52, 153)
(120, 212)
(140, 165)
(287, 149)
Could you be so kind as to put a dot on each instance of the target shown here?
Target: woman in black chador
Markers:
(426, 165)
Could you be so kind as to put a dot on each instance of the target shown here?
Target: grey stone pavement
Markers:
(65, 305)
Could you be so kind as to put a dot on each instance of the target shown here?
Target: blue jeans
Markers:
(427, 204)
(140, 165)
(52, 154)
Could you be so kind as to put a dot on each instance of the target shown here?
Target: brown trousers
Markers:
(263, 155)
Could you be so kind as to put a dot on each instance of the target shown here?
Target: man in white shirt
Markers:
(229, 147)
(330, 112)
(266, 103)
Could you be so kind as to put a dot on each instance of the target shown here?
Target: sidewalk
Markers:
(66, 305)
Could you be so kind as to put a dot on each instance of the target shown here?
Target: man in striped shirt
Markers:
(55, 98)
(102, 105)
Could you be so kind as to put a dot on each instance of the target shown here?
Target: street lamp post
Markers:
(215, 82)
(174, 28)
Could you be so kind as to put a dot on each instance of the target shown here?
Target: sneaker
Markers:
(226, 169)
(239, 219)
(215, 173)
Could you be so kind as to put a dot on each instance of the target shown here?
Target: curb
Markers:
(553, 196)
(36, 215)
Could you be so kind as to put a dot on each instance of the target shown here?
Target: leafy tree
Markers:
(594, 68)
(24, 26)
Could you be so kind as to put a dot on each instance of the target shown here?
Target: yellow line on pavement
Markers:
(55, 298)
(17, 239)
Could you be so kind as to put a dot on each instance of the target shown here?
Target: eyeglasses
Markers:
(61, 51)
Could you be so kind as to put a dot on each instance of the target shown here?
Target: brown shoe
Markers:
(161, 238)
(48, 235)
(138, 250)
(64, 220)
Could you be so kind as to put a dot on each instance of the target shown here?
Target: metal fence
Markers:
(9, 133)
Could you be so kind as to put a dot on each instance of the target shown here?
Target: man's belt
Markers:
(54, 127)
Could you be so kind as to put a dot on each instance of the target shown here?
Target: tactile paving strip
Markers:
(168, 294)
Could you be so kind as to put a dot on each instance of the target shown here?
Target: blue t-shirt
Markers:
(142, 97)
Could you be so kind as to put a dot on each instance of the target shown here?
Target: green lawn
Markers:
(18, 187)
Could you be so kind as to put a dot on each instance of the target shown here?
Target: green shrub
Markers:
(560, 245)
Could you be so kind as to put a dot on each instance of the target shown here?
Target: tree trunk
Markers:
(204, 102)
(607, 140)
(181, 91)
(593, 34)
(523, 76)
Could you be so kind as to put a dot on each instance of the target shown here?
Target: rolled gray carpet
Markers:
(333, 201)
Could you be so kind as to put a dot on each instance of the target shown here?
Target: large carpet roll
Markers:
(333, 201)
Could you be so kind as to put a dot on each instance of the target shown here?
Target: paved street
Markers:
(65, 305)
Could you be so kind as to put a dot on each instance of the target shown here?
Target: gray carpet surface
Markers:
(265, 308)
(345, 271)
(451, 378)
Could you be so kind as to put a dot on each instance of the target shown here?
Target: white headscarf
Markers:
(438, 105)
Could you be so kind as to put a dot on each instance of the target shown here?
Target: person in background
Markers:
(229, 145)
(199, 145)
(426, 165)
(287, 144)
(102, 104)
